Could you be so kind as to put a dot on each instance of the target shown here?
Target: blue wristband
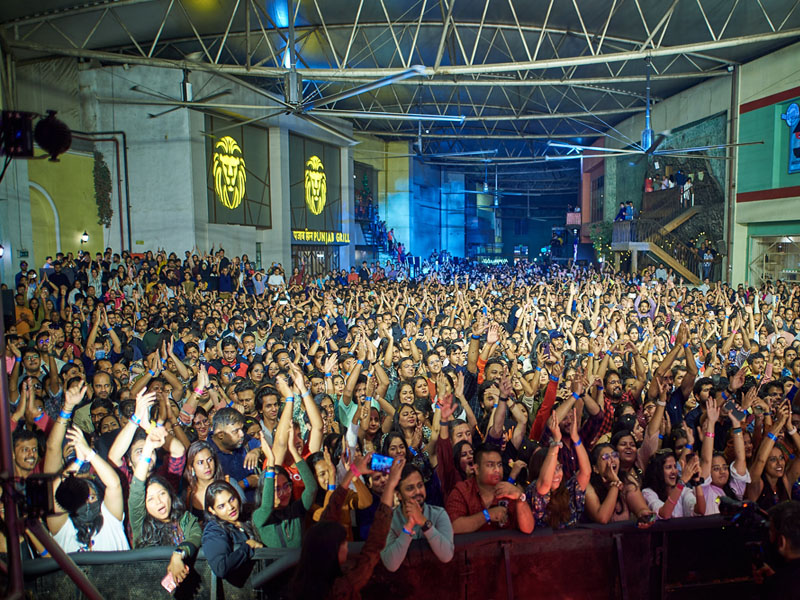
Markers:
(590, 354)
(772, 436)
(331, 488)
(152, 373)
(289, 398)
(39, 418)
(245, 483)
(538, 369)
(134, 419)
(269, 474)
(360, 362)
(68, 415)
(660, 436)
(576, 396)
(475, 337)
(487, 516)
(689, 447)
(328, 375)
(147, 459)
(578, 443)
(413, 452)
(410, 533)
(553, 378)
(511, 480)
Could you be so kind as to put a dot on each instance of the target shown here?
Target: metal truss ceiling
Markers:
(520, 71)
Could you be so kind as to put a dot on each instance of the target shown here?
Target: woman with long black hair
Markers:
(157, 515)
(324, 571)
(228, 537)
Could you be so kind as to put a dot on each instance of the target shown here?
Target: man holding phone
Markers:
(413, 519)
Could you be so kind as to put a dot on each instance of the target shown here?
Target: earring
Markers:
(192, 472)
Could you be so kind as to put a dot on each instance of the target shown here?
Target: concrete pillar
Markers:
(279, 248)
(347, 253)
(616, 261)
(634, 261)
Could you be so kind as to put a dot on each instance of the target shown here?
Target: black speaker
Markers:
(9, 316)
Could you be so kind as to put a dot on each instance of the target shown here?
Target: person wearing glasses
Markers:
(605, 495)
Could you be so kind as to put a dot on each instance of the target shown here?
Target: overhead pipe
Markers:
(94, 136)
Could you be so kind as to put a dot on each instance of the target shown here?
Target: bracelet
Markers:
(67, 415)
(511, 480)
(307, 364)
(360, 362)
(245, 483)
(354, 470)
(791, 431)
(134, 419)
(17, 359)
(710, 434)
(680, 485)
(736, 430)
(44, 553)
(578, 443)
(39, 418)
(79, 463)
(538, 369)
(661, 402)
(289, 398)
(553, 378)
(590, 354)
(306, 394)
(410, 533)
(147, 459)
(475, 337)
(660, 436)
(487, 516)
(331, 487)
(609, 354)
(576, 396)
(689, 447)
(772, 436)
(370, 399)
(413, 452)
(198, 390)
(599, 388)
(494, 405)
(230, 404)
(152, 373)
(92, 454)
(686, 345)
(328, 375)
(671, 500)
(269, 474)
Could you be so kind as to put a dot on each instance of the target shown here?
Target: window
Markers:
(598, 186)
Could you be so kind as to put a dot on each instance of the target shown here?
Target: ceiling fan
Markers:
(420, 153)
(648, 146)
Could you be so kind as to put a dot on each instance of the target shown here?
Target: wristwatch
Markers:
(180, 551)
(426, 526)
(522, 498)
(559, 443)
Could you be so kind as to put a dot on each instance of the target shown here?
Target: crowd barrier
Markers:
(684, 558)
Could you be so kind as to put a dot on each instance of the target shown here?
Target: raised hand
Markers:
(552, 425)
(73, 396)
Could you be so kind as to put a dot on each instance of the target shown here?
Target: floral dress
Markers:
(539, 502)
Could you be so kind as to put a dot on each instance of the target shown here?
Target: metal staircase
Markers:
(653, 233)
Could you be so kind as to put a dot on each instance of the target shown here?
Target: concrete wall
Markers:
(763, 169)
(166, 158)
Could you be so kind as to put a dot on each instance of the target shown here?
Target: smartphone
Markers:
(381, 463)
(730, 406)
(168, 583)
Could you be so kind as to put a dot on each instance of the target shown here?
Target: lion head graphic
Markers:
(229, 174)
(316, 185)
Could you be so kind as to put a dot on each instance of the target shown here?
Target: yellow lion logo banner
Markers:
(229, 174)
(316, 185)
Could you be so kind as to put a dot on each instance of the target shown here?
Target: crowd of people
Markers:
(315, 411)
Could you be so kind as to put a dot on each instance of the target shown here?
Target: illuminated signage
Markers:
(229, 174)
(792, 118)
(321, 237)
(316, 185)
